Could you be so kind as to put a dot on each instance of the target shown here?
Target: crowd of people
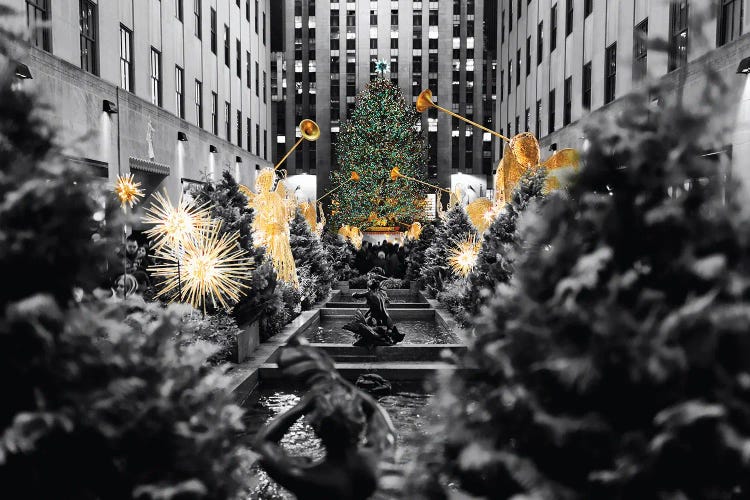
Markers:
(128, 271)
(391, 257)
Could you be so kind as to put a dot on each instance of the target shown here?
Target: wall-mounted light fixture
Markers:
(744, 67)
(238, 159)
(553, 146)
(182, 136)
(23, 72)
(257, 167)
(212, 149)
(109, 107)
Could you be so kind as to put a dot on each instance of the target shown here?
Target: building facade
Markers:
(327, 53)
(170, 90)
(563, 62)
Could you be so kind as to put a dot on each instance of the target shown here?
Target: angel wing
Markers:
(560, 165)
(480, 213)
(248, 193)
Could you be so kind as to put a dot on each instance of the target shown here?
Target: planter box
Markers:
(342, 285)
(247, 341)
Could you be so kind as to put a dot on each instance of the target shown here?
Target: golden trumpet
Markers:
(424, 101)
(396, 173)
(310, 132)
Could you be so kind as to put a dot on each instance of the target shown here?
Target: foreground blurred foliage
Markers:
(100, 398)
(616, 362)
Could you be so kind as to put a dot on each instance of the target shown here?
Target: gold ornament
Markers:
(481, 214)
(173, 225)
(463, 256)
(127, 190)
(206, 268)
(271, 224)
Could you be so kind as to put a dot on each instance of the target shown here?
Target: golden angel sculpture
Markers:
(273, 211)
(311, 216)
(523, 154)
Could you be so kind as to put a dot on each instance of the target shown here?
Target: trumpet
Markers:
(424, 101)
(309, 131)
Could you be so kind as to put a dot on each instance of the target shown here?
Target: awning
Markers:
(148, 166)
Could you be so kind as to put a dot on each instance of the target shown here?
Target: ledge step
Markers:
(392, 371)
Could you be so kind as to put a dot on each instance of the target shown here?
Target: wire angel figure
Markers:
(273, 211)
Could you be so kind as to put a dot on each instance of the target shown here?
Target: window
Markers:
(510, 16)
(539, 43)
(239, 128)
(37, 15)
(518, 67)
(226, 46)
(730, 21)
(179, 91)
(214, 113)
(502, 27)
(553, 28)
(527, 122)
(588, 7)
(126, 59)
(528, 56)
(228, 121)
(199, 103)
(551, 112)
(257, 76)
(248, 73)
(265, 145)
(538, 129)
(518, 10)
(257, 14)
(197, 27)
(567, 98)
(640, 50)
(264, 87)
(178, 9)
(238, 60)
(586, 86)
(264, 28)
(257, 139)
(213, 30)
(247, 10)
(610, 68)
(568, 17)
(155, 77)
(678, 34)
(518, 125)
(89, 33)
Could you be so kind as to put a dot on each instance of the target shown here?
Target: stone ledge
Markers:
(392, 371)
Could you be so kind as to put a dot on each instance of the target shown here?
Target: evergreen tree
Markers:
(340, 254)
(381, 134)
(455, 228)
(616, 363)
(313, 268)
(99, 398)
(494, 263)
(262, 300)
(415, 251)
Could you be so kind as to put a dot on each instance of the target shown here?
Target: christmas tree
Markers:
(436, 270)
(494, 263)
(380, 135)
(313, 268)
(415, 251)
(616, 363)
(262, 300)
(340, 254)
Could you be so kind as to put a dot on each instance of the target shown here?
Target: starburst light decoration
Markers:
(127, 190)
(463, 256)
(175, 224)
(209, 268)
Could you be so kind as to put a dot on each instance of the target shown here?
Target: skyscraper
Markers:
(328, 54)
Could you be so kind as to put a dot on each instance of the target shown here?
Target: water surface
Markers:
(331, 331)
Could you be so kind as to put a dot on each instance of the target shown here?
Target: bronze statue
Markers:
(353, 428)
(375, 327)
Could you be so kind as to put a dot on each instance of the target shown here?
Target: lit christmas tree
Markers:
(380, 135)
